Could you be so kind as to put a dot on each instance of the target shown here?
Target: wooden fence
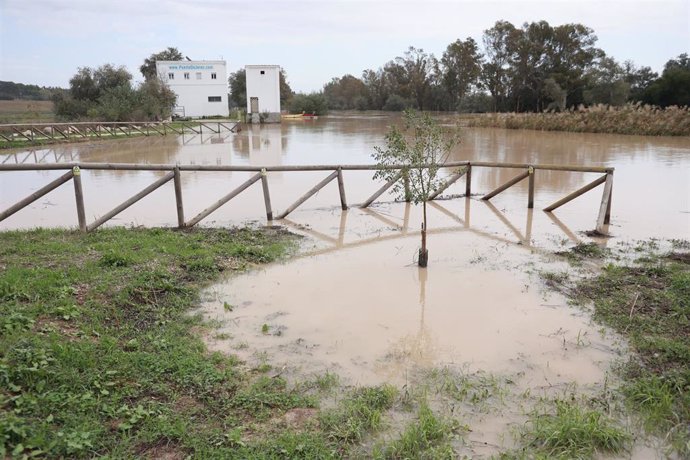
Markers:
(40, 132)
(459, 169)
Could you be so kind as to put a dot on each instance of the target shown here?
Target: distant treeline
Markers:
(10, 90)
(533, 68)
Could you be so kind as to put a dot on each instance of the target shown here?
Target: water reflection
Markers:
(396, 228)
(661, 208)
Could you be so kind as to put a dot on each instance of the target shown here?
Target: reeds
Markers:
(636, 118)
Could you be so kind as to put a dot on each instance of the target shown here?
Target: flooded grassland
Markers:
(478, 338)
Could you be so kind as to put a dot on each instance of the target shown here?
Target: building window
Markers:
(214, 99)
(263, 72)
(186, 75)
(213, 76)
(171, 76)
(198, 75)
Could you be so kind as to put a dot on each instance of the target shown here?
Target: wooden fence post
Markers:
(604, 208)
(468, 181)
(341, 189)
(530, 196)
(177, 178)
(79, 196)
(267, 196)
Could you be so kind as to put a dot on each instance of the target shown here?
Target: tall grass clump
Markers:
(573, 432)
(637, 119)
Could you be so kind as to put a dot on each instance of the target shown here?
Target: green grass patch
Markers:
(428, 437)
(648, 302)
(570, 432)
(100, 356)
(359, 413)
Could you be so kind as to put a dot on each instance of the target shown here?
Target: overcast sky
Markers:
(44, 41)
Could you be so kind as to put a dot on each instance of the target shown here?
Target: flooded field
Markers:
(353, 302)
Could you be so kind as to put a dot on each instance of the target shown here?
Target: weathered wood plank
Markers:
(178, 197)
(203, 214)
(79, 197)
(380, 191)
(576, 193)
(450, 181)
(604, 207)
(308, 195)
(506, 186)
(35, 196)
(118, 209)
(267, 195)
(341, 190)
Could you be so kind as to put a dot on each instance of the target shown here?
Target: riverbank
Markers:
(102, 354)
(76, 135)
(643, 293)
(629, 119)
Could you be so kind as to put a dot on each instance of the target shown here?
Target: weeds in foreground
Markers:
(426, 437)
(570, 432)
(361, 412)
(648, 302)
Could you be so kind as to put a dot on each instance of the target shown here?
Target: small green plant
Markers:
(228, 307)
(265, 328)
(421, 158)
(427, 437)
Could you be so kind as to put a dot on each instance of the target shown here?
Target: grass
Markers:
(628, 119)
(648, 302)
(570, 432)
(21, 111)
(359, 413)
(425, 438)
(99, 354)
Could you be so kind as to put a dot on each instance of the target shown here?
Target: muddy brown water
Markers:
(353, 301)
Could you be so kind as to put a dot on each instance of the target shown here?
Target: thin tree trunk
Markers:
(424, 227)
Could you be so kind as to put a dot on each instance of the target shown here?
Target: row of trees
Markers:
(535, 67)
(10, 90)
(107, 93)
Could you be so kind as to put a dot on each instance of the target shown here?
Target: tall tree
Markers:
(673, 87)
(148, 68)
(639, 79)
(570, 55)
(461, 69)
(416, 66)
(607, 83)
(286, 92)
(499, 42)
(346, 92)
(238, 88)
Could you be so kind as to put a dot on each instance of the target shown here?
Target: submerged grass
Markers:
(425, 438)
(628, 119)
(570, 432)
(100, 356)
(648, 302)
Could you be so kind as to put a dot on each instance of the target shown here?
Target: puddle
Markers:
(371, 315)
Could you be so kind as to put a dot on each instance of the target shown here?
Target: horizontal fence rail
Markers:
(39, 132)
(459, 169)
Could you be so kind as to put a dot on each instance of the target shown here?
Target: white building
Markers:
(201, 86)
(263, 93)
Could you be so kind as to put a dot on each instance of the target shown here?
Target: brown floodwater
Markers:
(651, 188)
(353, 301)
